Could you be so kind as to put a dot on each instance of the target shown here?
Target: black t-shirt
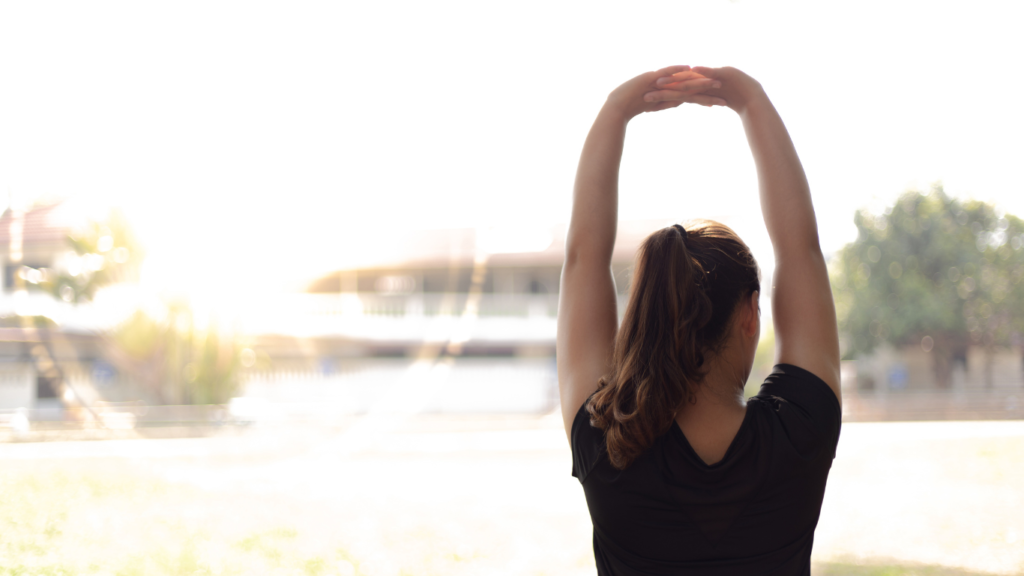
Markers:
(753, 512)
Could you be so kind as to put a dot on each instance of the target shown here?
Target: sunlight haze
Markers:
(260, 145)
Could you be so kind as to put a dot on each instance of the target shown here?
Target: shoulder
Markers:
(805, 406)
(801, 386)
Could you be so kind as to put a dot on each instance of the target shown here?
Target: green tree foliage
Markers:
(764, 362)
(934, 271)
(184, 365)
(106, 252)
(169, 358)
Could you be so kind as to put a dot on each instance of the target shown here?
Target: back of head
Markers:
(685, 288)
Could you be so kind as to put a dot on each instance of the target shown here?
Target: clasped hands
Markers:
(675, 85)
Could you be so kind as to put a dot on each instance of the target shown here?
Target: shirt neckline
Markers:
(681, 438)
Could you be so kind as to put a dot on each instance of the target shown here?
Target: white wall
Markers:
(911, 368)
(17, 386)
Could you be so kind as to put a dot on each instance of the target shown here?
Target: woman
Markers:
(681, 474)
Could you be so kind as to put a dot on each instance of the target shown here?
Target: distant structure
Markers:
(475, 293)
(900, 384)
(454, 319)
(35, 370)
(461, 320)
(32, 242)
(502, 284)
(465, 292)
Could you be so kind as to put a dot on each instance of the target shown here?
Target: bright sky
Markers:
(257, 143)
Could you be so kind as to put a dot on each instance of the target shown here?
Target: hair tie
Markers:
(681, 230)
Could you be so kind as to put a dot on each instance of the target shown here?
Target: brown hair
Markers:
(685, 288)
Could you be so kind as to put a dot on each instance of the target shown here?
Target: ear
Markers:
(752, 314)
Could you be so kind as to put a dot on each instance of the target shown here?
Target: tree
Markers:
(175, 360)
(172, 360)
(106, 252)
(932, 271)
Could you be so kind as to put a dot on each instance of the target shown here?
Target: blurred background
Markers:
(297, 267)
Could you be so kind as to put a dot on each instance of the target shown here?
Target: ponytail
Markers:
(685, 287)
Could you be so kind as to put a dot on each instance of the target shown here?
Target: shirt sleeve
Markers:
(587, 443)
(806, 407)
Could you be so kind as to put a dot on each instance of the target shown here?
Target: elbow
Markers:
(572, 259)
(804, 235)
(578, 253)
(583, 244)
(799, 246)
(812, 243)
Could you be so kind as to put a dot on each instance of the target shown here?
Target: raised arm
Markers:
(802, 309)
(587, 316)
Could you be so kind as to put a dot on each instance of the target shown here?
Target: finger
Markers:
(670, 70)
(678, 77)
(708, 72)
(663, 95)
(681, 92)
(707, 100)
(693, 86)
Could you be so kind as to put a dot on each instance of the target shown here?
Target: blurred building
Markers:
(474, 308)
(503, 289)
(900, 384)
(475, 296)
(456, 320)
(34, 244)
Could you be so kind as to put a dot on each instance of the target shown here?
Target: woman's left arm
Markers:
(587, 316)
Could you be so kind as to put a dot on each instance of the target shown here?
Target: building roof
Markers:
(524, 246)
(38, 225)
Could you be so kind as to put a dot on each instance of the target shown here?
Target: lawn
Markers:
(451, 496)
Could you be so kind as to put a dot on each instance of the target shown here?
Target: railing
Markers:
(90, 317)
(430, 304)
(305, 393)
(919, 405)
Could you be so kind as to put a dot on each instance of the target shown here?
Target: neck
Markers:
(722, 387)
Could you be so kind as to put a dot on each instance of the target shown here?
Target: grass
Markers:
(881, 568)
(55, 524)
(117, 522)
(253, 506)
(58, 524)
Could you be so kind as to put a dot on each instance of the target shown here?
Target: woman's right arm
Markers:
(806, 333)
(587, 318)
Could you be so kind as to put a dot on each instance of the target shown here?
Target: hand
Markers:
(737, 89)
(683, 85)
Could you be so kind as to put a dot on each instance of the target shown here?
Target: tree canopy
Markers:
(171, 359)
(106, 252)
(933, 271)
